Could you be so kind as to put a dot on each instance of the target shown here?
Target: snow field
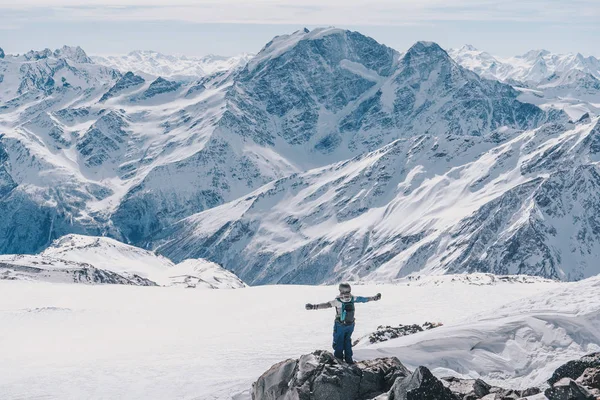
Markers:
(61, 341)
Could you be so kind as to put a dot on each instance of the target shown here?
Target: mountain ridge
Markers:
(106, 152)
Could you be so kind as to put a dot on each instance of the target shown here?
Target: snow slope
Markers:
(518, 345)
(118, 341)
(89, 259)
(527, 203)
(109, 254)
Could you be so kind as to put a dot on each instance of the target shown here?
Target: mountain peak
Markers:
(73, 53)
(279, 45)
(534, 54)
(468, 47)
(429, 50)
(425, 47)
(37, 55)
(1, 53)
(142, 52)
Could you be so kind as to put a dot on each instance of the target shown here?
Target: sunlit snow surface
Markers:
(63, 341)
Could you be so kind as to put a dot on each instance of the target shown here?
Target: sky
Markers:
(229, 27)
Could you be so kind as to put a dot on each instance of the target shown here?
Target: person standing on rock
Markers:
(344, 319)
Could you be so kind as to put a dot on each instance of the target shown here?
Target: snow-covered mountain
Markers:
(172, 66)
(350, 131)
(70, 149)
(568, 82)
(526, 204)
(101, 260)
(533, 66)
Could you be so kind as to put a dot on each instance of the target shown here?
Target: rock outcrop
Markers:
(576, 368)
(320, 376)
(421, 385)
(568, 389)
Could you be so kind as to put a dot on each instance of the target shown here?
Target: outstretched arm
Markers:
(359, 299)
(319, 306)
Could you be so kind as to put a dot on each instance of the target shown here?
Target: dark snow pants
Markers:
(342, 341)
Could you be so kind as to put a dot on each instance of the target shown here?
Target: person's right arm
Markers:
(320, 306)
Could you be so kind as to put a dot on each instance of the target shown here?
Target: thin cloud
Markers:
(313, 12)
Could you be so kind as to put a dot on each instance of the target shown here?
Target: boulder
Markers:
(320, 376)
(420, 385)
(467, 388)
(502, 395)
(530, 392)
(574, 369)
(568, 389)
(590, 378)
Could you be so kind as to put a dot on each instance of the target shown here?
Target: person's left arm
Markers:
(360, 299)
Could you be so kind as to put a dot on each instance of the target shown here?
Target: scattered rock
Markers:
(385, 333)
(320, 376)
(574, 369)
(420, 385)
(568, 389)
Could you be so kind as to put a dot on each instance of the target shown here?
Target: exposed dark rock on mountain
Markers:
(128, 80)
(160, 86)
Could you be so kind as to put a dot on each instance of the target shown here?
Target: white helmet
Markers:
(344, 288)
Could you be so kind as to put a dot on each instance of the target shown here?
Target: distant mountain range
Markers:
(533, 66)
(326, 156)
(570, 82)
(170, 66)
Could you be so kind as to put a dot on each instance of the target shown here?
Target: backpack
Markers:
(347, 311)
